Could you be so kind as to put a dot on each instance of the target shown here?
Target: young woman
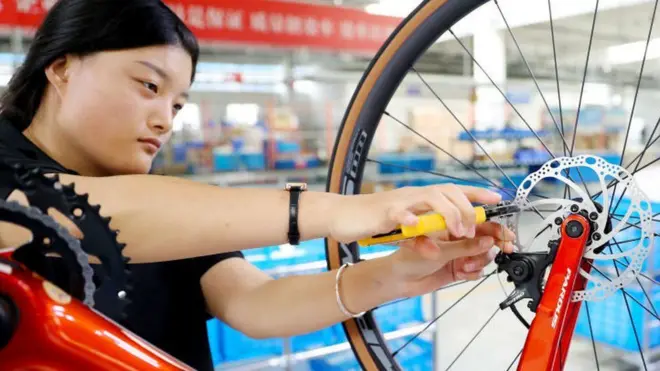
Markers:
(94, 101)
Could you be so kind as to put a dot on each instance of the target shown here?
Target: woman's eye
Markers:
(151, 86)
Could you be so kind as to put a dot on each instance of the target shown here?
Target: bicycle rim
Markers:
(418, 32)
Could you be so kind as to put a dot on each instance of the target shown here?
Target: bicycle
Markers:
(556, 280)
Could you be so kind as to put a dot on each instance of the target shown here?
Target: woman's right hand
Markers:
(362, 216)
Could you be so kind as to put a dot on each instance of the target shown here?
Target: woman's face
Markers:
(116, 108)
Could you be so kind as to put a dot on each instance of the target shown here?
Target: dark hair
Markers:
(84, 27)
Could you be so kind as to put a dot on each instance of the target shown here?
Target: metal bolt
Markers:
(596, 237)
(575, 208)
(558, 221)
(518, 271)
(593, 216)
(121, 294)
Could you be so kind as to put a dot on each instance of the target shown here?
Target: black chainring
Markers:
(49, 237)
(112, 276)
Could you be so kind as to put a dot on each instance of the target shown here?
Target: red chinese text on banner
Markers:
(268, 23)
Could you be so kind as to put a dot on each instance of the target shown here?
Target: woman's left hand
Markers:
(425, 264)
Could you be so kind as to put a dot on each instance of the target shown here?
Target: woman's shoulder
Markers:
(15, 148)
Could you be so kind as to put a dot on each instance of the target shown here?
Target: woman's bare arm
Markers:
(165, 218)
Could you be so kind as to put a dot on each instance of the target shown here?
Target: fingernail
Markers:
(461, 230)
(469, 267)
(486, 242)
(410, 220)
(472, 232)
(492, 253)
(460, 276)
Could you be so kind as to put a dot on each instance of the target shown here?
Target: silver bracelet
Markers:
(339, 301)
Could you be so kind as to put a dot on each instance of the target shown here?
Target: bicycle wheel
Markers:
(392, 64)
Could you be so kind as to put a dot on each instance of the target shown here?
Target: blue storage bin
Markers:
(314, 340)
(422, 162)
(237, 346)
(179, 153)
(285, 164)
(313, 163)
(610, 321)
(314, 250)
(283, 146)
(401, 314)
(398, 163)
(225, 162)
(416, 356)
(213, 329)
(253, 161)
(344, 361)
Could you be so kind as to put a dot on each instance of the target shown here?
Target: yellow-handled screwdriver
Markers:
(430, 223)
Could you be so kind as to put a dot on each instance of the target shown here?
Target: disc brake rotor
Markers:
(638, 215)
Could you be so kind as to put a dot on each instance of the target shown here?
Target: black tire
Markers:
(389, 67)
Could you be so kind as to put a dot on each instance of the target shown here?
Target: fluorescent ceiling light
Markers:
(392, 8)
(633, 52)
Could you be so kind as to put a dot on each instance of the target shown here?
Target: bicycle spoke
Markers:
(621, 216)
(443, 313)
(474, 338)
(641, 156)
(431, 172)
(584, 79)
(459, 283)
(567, 189)
(515, 359)
(614, 182)
(639, 81)
(636, 225)
(465, 128)
(624, 292)
(641, 274)
(591, 334)
(632, 322)
(443, 151)
(646, 295)
(502, 93)
(522, 55)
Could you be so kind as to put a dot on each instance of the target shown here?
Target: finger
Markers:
(424, 247)
(481, 195)
(496, 230)
(443, 206)
(403, 216)
(477, 263)
(465, 248)
(464, 206)
(473, 276)
(506, 246)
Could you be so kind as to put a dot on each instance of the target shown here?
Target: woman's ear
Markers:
(58, 73)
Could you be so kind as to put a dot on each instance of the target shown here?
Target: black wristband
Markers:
(295, 189)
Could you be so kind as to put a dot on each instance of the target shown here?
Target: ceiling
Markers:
(572, 35)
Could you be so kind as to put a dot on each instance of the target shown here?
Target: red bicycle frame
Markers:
(54, 331)
(57, 332)
(551, 331)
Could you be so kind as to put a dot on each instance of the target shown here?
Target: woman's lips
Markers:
(153, 144)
